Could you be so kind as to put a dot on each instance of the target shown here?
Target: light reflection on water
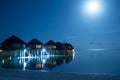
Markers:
(42, 62)
(86, 61)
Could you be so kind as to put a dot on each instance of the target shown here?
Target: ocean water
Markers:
(92, 61)
(96, 61)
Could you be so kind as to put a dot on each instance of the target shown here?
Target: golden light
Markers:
(1, 50)
(54, 47)
(38, 46)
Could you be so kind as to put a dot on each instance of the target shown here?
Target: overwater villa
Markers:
(34, 47)
(50, 46)
(15, 47)
(34, 55)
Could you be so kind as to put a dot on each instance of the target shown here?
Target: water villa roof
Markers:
(34, 42)
(50, 43)
(13, 39)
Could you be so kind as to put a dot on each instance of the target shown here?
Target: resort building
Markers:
(50, 46)
(13, 47)
(67, 46)
(34, 47)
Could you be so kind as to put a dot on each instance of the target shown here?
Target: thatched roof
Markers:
(34, 42)
(12, 40)
(50, 43)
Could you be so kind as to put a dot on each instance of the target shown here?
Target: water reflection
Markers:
(41, 62)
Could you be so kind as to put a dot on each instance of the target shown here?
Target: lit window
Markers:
(38, 46)
(54, 62)
(54, 47)
(1, 50)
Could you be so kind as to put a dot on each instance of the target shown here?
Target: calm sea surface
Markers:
(84, 61)
(94, 61)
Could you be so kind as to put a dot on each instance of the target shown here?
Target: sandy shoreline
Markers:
(11, 74)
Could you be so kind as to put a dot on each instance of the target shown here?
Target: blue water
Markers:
(86, 61)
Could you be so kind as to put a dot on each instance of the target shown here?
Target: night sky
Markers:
(62, 20)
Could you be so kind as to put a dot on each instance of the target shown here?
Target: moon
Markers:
(92, 8)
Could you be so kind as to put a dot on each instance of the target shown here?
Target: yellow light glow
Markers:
(73, 50)
(1, 50)
(38, 65)
(54, 47)
(54, 62)
(38, 46)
